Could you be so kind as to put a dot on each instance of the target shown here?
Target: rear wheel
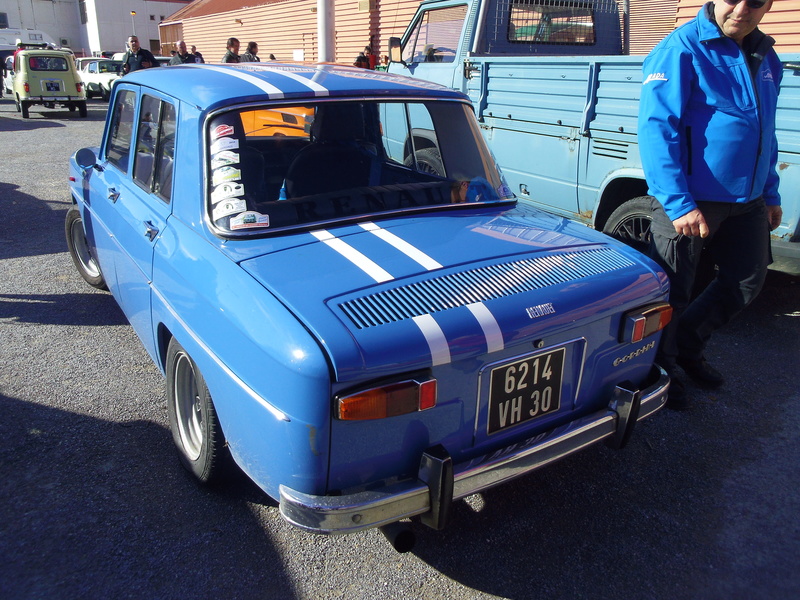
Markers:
(17, 104)
(79, 250)
(82, 109)
(428, 161)
(193, 419)
(24, 106)
(630, 223)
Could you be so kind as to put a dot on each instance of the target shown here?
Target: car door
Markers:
(132, 197)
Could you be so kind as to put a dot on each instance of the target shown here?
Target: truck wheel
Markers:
(24, 106)
(82, 109)
(193, 419)
(630, 223)
(428, 161)
(79, 250)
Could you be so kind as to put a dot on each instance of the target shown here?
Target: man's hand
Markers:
(692, 224)
(774, 214)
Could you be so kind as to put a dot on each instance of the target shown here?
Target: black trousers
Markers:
(738, 243)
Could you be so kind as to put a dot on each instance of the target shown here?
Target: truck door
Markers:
(431, 46)
(135, 190)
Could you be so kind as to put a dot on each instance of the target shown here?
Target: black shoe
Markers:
(676, 398)
(701, 372)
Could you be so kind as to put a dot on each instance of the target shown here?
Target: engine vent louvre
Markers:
(610, 149)
(479, 285)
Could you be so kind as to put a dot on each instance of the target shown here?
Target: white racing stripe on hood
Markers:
(412, 252)
(437, 342)
(494, 337)
(367, 265)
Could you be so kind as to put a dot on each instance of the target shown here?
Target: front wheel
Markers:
(630, 223)
(193, 419)
(428, 160)
(79, 250)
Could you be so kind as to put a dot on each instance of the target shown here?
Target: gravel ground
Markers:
(94, 504)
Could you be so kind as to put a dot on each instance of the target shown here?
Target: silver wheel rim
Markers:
(188, 407)
(82, 249)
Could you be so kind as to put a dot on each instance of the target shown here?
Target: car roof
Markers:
(46, 51)
(211, 86)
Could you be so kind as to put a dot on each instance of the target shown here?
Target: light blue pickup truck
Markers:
(559, 109)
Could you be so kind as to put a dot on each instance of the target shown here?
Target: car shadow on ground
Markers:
(88, 310)
(88, 495)
(32, 223)
(41, 117)
(668, 504)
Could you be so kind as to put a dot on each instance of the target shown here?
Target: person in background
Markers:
(136, 57)
(182, 56)
(709, 151)
(251, 54)
(232, 55)
(197, 56)
(363, 59)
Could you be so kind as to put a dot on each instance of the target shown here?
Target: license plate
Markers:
(52, 86)
(525, 389)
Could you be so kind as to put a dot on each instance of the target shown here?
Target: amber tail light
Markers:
(387, 401)
(643, 322)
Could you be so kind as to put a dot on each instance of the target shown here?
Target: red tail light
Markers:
(388, 401)
(79, 85)
(26, 86)
(643, 322)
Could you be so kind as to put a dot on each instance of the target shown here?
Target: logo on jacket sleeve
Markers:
(655, 77)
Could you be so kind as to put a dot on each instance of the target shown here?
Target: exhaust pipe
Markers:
(400, 536)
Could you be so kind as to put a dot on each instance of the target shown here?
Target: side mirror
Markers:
(395, 51)
(85, 158)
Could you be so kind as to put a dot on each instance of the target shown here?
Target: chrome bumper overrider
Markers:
(440, 481)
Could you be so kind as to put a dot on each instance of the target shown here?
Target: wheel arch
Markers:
(615, 192)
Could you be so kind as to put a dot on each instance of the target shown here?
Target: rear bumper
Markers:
(440, 481)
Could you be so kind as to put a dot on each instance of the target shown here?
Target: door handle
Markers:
(150, 230)
(113, 195)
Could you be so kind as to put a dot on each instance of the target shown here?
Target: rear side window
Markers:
(121, 130)
(155, 144)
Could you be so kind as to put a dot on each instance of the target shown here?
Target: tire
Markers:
(82, 109)
(79, 250)
(428, 161)
(24, 108)
(193, 419)
(17, 105)
(104, 93)
(630, 223)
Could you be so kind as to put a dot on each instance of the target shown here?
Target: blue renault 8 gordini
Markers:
(347, 301)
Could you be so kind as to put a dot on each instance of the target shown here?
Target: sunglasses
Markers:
(754, 4)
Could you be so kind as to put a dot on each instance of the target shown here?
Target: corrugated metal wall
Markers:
(282, 28)
(782, 21)
(650, 21)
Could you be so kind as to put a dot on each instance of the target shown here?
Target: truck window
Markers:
(551, 22)
(435, 36)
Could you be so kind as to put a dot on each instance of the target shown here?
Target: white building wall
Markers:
(109, 22)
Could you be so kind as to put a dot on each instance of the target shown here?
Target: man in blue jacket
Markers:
(708, 147)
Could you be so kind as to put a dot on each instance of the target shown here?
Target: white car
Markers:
(8, 76)
(99, 75)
